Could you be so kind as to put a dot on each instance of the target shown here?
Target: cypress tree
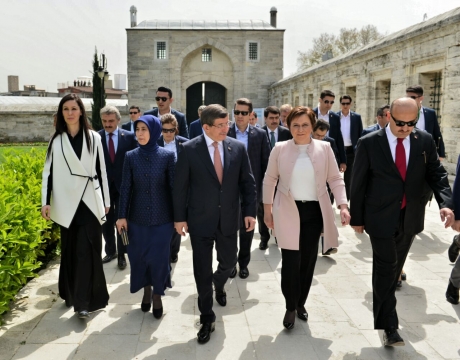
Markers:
(98, 95)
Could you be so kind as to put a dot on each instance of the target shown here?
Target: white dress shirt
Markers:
(421, 120)
(270, 135)
(303, 182)
(114, 138)
(171, 146)
(345, 125)
(323, 117)
(209, 143)
(393, 141)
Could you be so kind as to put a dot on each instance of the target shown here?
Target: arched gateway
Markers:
(204, 93)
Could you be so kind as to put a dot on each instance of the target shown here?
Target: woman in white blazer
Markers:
(74, 191)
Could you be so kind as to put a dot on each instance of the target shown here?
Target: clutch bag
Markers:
(124, 236)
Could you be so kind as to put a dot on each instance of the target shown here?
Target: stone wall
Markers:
(381, 71)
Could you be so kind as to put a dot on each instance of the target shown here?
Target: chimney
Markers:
(13, 83)
(273, 12)
(133, 12)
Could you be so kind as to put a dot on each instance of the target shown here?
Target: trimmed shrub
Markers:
(25, 236)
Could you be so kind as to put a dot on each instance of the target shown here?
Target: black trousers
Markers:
(109, 229)
(263, 229)
(226, 247)
(298, 266)
(175, 244)
(347, 175)
(389, 255)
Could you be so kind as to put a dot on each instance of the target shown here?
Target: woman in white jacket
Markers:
(74, 191)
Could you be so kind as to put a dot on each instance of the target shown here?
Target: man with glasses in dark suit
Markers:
(134, 114)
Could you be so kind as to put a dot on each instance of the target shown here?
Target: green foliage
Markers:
(24, 235)
(98, 95)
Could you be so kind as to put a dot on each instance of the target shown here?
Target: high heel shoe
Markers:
(157, 313)
(287, 322)
(145, 307)
(302, 314)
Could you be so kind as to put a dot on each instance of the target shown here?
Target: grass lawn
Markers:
(19, 149)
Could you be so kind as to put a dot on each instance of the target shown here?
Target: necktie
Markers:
(400, 162)
(272, 139)
(218, 162)
(111, 148)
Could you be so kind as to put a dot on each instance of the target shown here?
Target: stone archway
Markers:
(203, 93)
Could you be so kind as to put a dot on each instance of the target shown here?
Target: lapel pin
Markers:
(229, 148)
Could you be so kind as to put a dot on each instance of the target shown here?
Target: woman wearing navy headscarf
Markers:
(145, 211)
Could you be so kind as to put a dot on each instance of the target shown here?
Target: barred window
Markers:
(161, 50)
(253, 51)
(206, 55)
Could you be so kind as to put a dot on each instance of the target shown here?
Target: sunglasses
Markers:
(244, 113)
(404, 123)
(222, 126)
(168, 130)
(329, 102)
(345, 104)
(414, 97)
(162, 98)
(133, 113)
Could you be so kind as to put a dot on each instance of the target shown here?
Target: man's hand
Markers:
(343, 167)
(447, 217)
(456, 225)
(181, 228)
(249, 223)
(359, 229)
(121, 223)
(441, 158)
(107, 209)
(46, 211)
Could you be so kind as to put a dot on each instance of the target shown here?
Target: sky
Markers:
(46, 42)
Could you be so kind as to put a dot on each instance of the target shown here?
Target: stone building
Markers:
(427, 53)
(203, 62)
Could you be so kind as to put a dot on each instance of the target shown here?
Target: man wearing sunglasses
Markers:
(427, 119)
(164, 100)
(381, 118)
(392, 166)
(323, 111)
(256, 144)
(351, 127)
(134, 114)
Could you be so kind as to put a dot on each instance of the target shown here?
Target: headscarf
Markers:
(154, 126)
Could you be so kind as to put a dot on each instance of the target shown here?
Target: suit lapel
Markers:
(205, 157)
(414, 150)
(121, 144)
(251, 134)
(383, 141)
(75, 165)
(105, 148)
(227, 157)
(232, 131)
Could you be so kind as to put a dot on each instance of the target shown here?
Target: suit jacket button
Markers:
(147, 192)
(148, 208)
(219, 205)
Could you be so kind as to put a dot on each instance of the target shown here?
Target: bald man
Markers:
(387, 201)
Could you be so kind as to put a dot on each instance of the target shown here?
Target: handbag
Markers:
(124, 236)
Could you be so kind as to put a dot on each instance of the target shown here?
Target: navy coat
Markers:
(183, 131)
(370, 129)
(334, 148)
(336, 134)
(432, 127)
(127, 126)
(356, 127)
(195, 129)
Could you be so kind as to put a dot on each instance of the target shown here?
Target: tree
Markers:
(98, 95)
(345, 41)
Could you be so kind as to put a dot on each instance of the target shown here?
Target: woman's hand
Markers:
(268, 216)
(121, 223)
(344, 215)
(107, 209)
(46, 211)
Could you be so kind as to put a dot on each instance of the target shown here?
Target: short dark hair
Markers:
(244, 101)
(415, 89)
(212, 112)
(135, 107)
(381, 109)
(255, 114)
(271, 109)
(346, 97)
(165, 89)
(325, 93)
(321, 125)
(299, 111)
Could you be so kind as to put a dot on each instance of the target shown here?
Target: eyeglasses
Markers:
(168, 130)
(415, 97)
(133, 113)
(162, 98)
(404, 123)
(345, 104)
(244, 113)
(329, 102)
(223, 126)
(297, 127)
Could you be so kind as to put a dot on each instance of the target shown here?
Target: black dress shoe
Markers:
(83, 314)
(146, 307)
(233, 273)
(302, 314)
(289, 320)
(108, 258)
(399, 284)
(221, 297)
(244, 273)
(174, 259)
(158, 313)
(330, 252)
(205, 332)
(403, 276)
(263, 245)
(454, 249)
(392, 338)
(121, 262)
(452, 294)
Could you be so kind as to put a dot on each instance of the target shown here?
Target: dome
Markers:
(273, 9)
(132, 9)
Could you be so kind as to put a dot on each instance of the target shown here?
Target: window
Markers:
(161, 50)
(206, 55)
(253, 51)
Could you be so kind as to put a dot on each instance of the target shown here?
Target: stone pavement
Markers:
(250, 326)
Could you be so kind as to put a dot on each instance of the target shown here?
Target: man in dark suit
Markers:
(382, 120)
(275, 132)
(427, 119)
(196, 128)
(134, 114)
(212, 185)
(324, 112)
(391, 168)
(115, 142)
(351, 127)
(256, 143)
(164, 99)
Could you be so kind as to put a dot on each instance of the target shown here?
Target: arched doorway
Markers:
(203, 93)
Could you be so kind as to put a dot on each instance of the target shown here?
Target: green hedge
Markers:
(25, 237)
